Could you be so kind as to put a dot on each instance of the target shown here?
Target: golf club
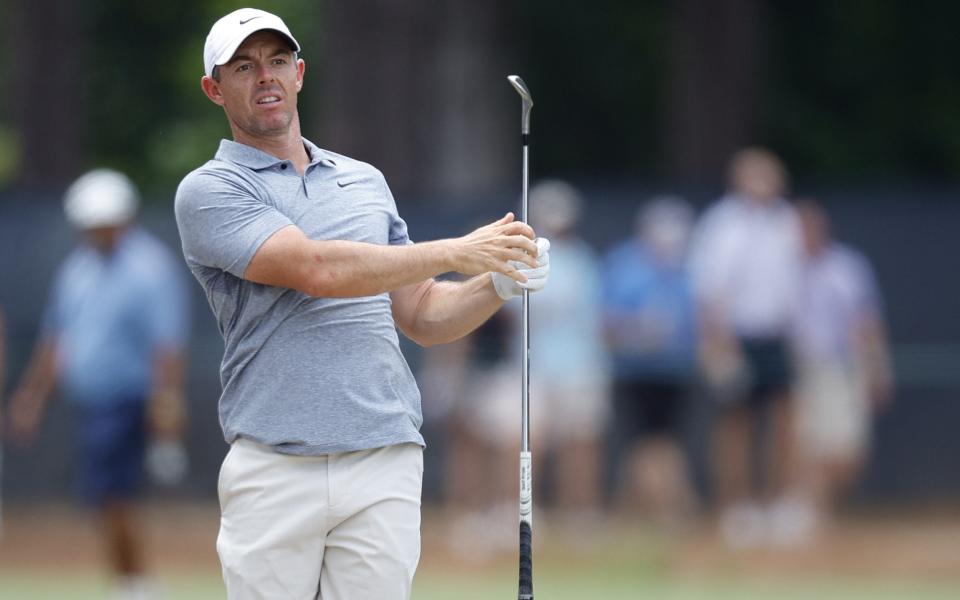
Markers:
(526, 479)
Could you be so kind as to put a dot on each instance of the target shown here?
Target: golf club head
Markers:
(524, 92)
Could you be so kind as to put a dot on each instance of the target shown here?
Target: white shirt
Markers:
(745, 264)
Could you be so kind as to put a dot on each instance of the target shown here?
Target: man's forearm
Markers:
(41, 371)
(29, 399)
(167, 408)
(350, 269)
(437, 312)
(336, 268)
(875, 355)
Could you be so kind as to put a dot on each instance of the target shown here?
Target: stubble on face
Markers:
(259, 86)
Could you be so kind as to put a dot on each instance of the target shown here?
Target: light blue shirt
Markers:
(111, 314)
(649, 314)
(305, 375)
(566, 329)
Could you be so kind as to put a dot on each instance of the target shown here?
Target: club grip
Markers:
(526, 562)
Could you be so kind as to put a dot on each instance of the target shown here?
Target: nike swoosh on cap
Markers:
(242, 22)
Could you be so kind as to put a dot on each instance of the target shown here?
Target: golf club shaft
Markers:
(525, 412)
(526, 467)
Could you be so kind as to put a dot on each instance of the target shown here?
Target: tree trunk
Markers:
(713, 96)
(45, 51)
(416, 88)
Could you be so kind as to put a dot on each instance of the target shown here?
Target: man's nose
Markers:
(264, 74)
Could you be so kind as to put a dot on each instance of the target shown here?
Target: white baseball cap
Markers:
(228, 33)
(101, 198)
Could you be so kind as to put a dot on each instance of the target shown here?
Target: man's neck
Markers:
(285, 146)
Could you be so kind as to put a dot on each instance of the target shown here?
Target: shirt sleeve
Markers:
(222, 223)
(398, 227)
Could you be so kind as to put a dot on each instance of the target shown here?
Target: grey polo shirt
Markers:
(305, 375)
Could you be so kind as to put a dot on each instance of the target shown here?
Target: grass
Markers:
(550, 583)
(53, 555)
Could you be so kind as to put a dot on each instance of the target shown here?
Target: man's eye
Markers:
(244, 67)
(279, 61)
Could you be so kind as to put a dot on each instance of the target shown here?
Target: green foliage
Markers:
(600, 69)
(864, 90)
(850, 90)
(145, 112)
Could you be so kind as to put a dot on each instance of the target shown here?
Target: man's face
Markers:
(104, 239)
(759, 181)
(258, 88)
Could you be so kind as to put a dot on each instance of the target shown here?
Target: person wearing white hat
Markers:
(310, 272)
(572, 383)
(112, 337)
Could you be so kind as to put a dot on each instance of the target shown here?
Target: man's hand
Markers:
(29, 400)
(166, 414)
(535, 278)
(503, 246)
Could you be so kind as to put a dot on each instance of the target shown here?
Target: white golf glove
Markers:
(536, 278)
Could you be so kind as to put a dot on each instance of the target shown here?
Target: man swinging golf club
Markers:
(309, 271)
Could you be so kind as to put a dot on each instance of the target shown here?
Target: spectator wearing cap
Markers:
(569, 388)
(570, 360)
(112, 337)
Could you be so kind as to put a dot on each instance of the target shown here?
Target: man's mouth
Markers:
(268, 100)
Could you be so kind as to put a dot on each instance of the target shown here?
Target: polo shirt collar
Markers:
(251, 157)
(318, 155)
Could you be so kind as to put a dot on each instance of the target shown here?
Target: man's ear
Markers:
(211, 88)
(301, 67)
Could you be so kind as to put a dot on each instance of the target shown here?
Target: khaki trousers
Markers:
(342, 526)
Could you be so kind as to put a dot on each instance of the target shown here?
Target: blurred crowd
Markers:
(751, 313)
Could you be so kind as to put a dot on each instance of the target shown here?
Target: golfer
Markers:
(309, 271)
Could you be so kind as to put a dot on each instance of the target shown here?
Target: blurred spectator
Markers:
(112, 336)
(3, 389)
(745, 262)
(568, 360)
(651, 329)
(569, 375)
(3, 361)
(843, 365)
(483, 426)
(447, 377)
